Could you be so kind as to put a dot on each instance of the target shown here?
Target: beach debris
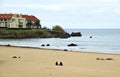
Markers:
(65, 49)
(109, 59)
(14, 57)
(59, 64)
(104, 59)
(72, 44)
(48, 45)
(99, 59)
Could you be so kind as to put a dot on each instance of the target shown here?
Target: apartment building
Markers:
(19, 21)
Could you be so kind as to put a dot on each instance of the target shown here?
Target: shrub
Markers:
(58, 28)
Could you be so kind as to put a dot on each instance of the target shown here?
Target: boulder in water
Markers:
(76, 34)
(72, 44)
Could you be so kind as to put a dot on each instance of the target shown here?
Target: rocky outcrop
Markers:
(76, 34)
(60, 35)
(21, 34)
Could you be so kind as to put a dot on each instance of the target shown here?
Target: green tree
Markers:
(29, 24)
(58, 28)
(37, 23)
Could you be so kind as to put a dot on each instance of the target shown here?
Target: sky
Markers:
(68, 13)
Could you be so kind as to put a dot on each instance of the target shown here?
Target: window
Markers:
(20, 26)
(20, 20)
(13, 20)
(5, 24)
(1, 19)
(5, 19)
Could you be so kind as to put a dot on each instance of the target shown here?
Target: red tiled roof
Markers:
(7, 16)
(28, 17)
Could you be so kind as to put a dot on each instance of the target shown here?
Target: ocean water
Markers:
(102, 41)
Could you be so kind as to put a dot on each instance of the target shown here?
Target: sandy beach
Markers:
(31, 62)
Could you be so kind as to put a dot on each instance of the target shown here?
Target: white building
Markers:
(19, 21)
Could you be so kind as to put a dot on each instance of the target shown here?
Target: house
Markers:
(19, 21)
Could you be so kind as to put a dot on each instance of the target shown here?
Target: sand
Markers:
(31, 62)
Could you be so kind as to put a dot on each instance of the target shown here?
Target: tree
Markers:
(37, 23)
(58, 28)
(29, 24)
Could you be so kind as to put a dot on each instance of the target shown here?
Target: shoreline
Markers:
(93, 52)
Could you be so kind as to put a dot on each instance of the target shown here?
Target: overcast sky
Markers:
(68, 13)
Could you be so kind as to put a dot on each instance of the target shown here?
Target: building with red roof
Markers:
(19, 21)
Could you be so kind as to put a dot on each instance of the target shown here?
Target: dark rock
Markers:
(65, 35)
(97, 58)
(72, 44)
(8, 45)
(65, 50)
(90, 37)
(48, 45)
(60, 35)
(76, 34)
(43, 45)
(109, 59)
(14, 57)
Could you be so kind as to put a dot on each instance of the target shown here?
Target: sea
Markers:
(102, 41)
